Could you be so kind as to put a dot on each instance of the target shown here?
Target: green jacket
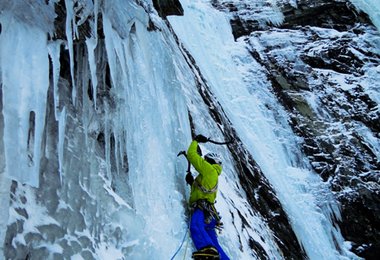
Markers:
(207, 177)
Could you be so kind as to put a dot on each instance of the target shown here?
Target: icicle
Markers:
(107, 136)
(118, 151)
(83, 83)
(61, 140)
(70, 26)
(91, 45)
(25, 74)
(96, 11)
(54, 53)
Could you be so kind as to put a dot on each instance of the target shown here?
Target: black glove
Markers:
(201, 139)
(189, 178)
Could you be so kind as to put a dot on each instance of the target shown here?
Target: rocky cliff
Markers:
(323, 66)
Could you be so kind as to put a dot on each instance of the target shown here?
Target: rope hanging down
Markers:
(180, 246)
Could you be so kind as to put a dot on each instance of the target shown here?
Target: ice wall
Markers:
(94, 140)
(152, 113)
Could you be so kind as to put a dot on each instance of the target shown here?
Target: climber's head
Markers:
(213, 158)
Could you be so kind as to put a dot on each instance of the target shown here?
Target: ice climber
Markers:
(204, 219)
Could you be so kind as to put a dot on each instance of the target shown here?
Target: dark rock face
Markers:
(339, 15)
(168, 7)
(317, 60)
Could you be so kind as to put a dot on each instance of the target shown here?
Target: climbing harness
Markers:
(209, 210)
(203, 189)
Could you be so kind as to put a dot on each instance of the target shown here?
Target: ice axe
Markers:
(189, 176)
(219, 143)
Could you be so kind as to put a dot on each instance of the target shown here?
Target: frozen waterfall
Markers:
(91, 131)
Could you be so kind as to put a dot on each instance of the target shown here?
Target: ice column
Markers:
(25, 74)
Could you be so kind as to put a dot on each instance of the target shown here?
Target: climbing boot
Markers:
(207, 253)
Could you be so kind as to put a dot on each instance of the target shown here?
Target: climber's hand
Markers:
(201, 139)
(189, 178)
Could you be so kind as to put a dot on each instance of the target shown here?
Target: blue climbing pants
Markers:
(203, 234)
